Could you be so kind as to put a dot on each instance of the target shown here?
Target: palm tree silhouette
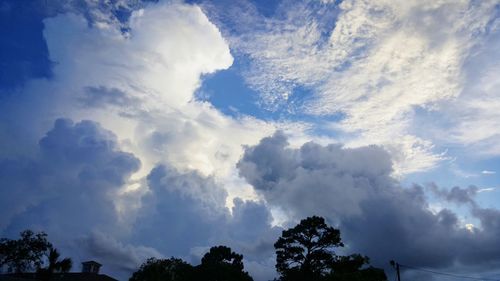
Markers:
(55, 265)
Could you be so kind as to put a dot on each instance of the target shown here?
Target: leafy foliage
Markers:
(219, 264)
(306, 252)
(353, 268)
(222, 255)
(55, 265)
(164, 270)
(222, 264)
(307, 248)
(24, 254)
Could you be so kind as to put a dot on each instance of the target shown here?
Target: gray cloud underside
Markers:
(72, 188)
(72, 183)
(354, 189)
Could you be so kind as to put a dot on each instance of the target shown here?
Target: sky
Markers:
(139, 128)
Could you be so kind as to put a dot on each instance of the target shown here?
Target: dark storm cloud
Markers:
(250, 220)
(456, 194)
(354, 189)
(250, 231)
(184, 214)
(114, 253)
(181, 211)
(341, 177)
(69, 185)
(185, 210)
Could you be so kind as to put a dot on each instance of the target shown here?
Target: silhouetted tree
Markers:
(306, 252)
(55, 265)
(222, 264)
(355, 268)
(219, 264)
(24, 254)
(164, 270)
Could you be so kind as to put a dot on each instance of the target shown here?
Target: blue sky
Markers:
(225, 118)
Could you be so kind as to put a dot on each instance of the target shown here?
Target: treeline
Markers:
(220, 263)
(32, 252)
(304, 252)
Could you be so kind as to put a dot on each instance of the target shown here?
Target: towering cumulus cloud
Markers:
(181, 211)
(142, 128)
(70, 186)
(143, 165)
(354, 189)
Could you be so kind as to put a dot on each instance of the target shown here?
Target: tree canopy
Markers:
(307, 248)
(355, 268)
(164, 270)
(26, 253)
(219, 264)
(54, 264)
(30, 253)
(222, 264)
(307, 252)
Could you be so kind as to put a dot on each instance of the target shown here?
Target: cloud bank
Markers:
(109, 185)
(353, 188)
(114, 157)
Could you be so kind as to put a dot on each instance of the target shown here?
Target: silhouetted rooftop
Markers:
(70, 276)
(92, 262)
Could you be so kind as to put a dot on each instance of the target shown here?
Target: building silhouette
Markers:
(90, 272)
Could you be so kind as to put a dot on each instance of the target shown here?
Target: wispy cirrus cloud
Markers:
(379, 64)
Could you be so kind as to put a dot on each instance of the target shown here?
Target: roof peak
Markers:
(91, 262)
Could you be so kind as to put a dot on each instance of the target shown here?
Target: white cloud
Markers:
(475, 115)
(139, 86)
(486, 189)
(488, 172)
(379, 64)
(154, 72)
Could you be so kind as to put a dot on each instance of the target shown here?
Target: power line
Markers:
(447, 274)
